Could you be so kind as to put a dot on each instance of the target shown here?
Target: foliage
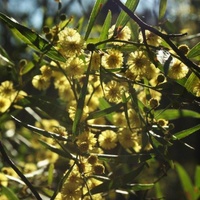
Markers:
(84, 115)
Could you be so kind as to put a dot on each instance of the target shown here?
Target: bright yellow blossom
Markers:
(177, 69)
(40, 82)
(108, 139)
(70, 42)
(120, 33)
(112, 59)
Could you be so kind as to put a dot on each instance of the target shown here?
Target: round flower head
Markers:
(86, 139)
(113, 91)
(112, 59)
(95, 61)
(74, 67)
(7, 90)
(40, 82)
(70, 42)
(127, 138)
(177, 69)
(120, 33)
(46, 71)
(108, 139)
(151, 38)
(138, 63)
(70, 191)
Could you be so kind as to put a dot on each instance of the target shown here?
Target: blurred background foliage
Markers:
(182, 16)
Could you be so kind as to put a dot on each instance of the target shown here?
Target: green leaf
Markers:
(197, 176)
(191, 80)
(123, 17)
(195, 51)
(197, 183)
(162, 8)
(32, 38)
(9, 193)
(140, 187)
(106, 110)
(185, 182)
(186, 132)
(171, 114)
(81, 102)
(50, 174)
(95, 11)
(105, 28)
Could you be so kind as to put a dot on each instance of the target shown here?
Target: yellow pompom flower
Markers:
(3, 197)
(70, 191)
(86, 139)
(7, 90)
(151, 38)
(177, 69)
(3, 180)
(138, 63)
(108, 139)
(46, 71)
(40, 82)
(127, 138)
(74, 67)
(70, 42)
(9, 171)
(112, 59)
(113, 91)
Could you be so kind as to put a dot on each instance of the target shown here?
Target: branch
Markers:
(24, 179)
(194, 67)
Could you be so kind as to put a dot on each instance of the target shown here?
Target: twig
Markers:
(194, 67)
(24, 179)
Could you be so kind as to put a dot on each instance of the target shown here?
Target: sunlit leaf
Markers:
(171, 114)
(162, 8)
(195, 51)
(139, 187)
(50, 174)
(184, 133)
(105, 28)
(81, 102)
(197, 183)
(95, 11)
(185, 182)
(106, 110)
(191, 80)
(197, 176)
(32, 38)
(9, 193)
(123, 17)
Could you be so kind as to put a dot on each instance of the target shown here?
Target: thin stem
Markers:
(194, 67)
(24, 179)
